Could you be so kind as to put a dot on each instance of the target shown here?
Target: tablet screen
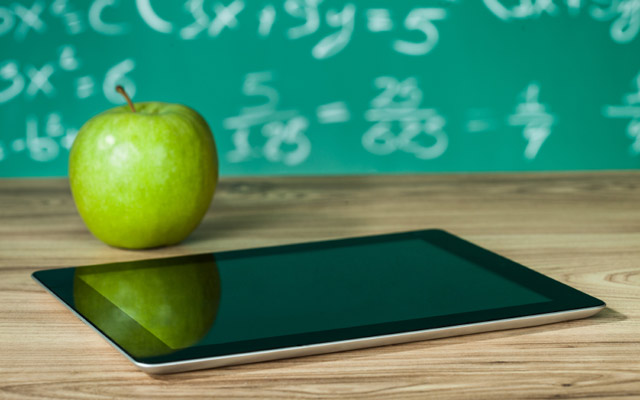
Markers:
(275, 295)
(155, 309)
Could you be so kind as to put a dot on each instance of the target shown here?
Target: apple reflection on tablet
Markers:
(150, 308)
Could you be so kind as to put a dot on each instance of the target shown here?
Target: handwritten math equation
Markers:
(45, 136)
(204, 19)
(31, 81)
(397, 121)
(416, 33)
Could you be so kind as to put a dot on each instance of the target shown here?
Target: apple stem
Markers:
(124, 94)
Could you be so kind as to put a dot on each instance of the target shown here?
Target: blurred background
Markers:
(295, 87)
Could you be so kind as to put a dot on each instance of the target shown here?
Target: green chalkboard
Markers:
(325, 86)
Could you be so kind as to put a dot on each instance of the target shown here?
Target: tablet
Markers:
(210, 310)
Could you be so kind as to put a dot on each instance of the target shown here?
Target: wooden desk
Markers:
(580, 228)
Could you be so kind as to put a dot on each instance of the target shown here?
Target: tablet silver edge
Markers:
(344, 345)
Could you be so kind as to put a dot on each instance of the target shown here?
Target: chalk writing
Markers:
(421, 19)
(630, 108)
(30, 19)
(379, 20)
(9, 72)
(45, 147)
(533, 115)
(71, 17)
(117, 75)
(36, 81)
(625, 14)
(333, 113)
(284, 131)
(39, 80)
(267, 18)
(316, 63)
(99, 25)
(479, 120)
(421, 130)
(200, 22)
(304, 17)
(152, 19)
(46, 136)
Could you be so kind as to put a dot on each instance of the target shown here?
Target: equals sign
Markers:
(333, 113)
(480, 120)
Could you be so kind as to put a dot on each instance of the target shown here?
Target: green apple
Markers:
(143, 175)
(152, 309)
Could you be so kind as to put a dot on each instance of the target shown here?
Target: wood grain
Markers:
(580, 228)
